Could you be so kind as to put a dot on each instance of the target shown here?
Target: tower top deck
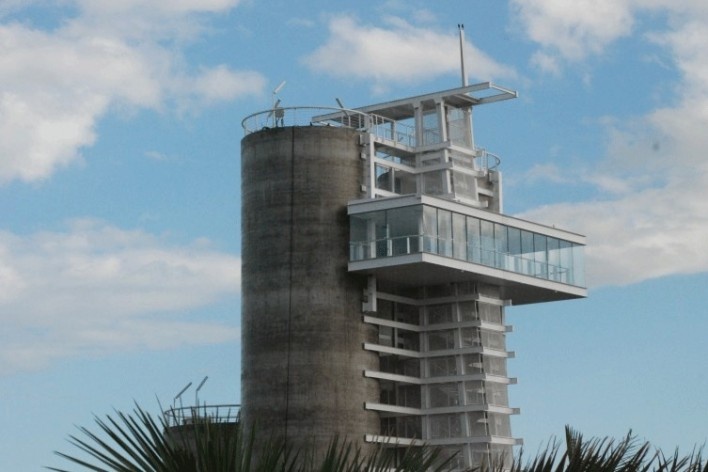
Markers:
(461, 97)
(366, 116)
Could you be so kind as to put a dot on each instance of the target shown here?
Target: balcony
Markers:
(420, 240)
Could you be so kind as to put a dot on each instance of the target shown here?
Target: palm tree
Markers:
(607, 455)
(139, 443)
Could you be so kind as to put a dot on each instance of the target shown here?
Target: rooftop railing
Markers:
(227, 413)
(381, 127)
(304, 116)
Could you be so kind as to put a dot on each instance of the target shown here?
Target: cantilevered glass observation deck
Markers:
(422, 238)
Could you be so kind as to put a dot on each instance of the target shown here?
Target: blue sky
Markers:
(120, 200)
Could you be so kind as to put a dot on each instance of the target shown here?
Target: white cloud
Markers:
(655, 223)
(220, 84)
(574, 29)
(653, 233)
(545, 172)
(651, 217)
(111, 7)
(95, 289)
(56, 85)
(397, 52)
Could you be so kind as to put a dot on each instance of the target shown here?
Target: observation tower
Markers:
(377, 264)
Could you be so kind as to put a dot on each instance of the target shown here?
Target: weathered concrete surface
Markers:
(302, 329)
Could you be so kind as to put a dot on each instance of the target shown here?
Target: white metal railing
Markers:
(391, 130)
(304, 116)
(379, 126)
(486, 160)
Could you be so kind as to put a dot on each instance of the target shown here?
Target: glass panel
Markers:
(433, 182)
(399, 365)
(358, 247)
(386, 336)
(495, 365)
(442, 395)
(410, 367)
(474, 393)
(431, 128)
(501, 246)
(454, 457)
(384, 309)
(439, 426)
(554, 270)
(384, 178)
(445, 426)
(409, 427)
(466, 288)
(388, 426)
(444, 233)
(566, 261)
(496, 394)
(409, 340)
(409, 395)
(464, 185)
(439, 340)
(440, 314)
(499, 425)
(493, 340)
(471, 337)
(488, 249)
(405, 132)
(405, 183)
(472, 364)
(540, 247)
(502, 454)
(526, 263)
(442, 366)
(438, 291)
(490, 313)
(468, 311)
(514, 248)
(403, 229)
(477, 423)
(387, 394)
(458, 127)
(474, 240)
(381, 233)
(459, 237)
(480, 456)
(578, 267)
(407, 313)
(430, 229)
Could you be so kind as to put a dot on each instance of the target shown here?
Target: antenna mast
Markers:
(461, 28)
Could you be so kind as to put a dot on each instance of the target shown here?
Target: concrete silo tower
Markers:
(377, 263)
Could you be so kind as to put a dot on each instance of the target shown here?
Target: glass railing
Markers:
(391, 130)
(412, 244)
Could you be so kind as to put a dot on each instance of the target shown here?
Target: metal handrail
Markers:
(486, 160)
(224, 413)
(304, 116)
(379, 126)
